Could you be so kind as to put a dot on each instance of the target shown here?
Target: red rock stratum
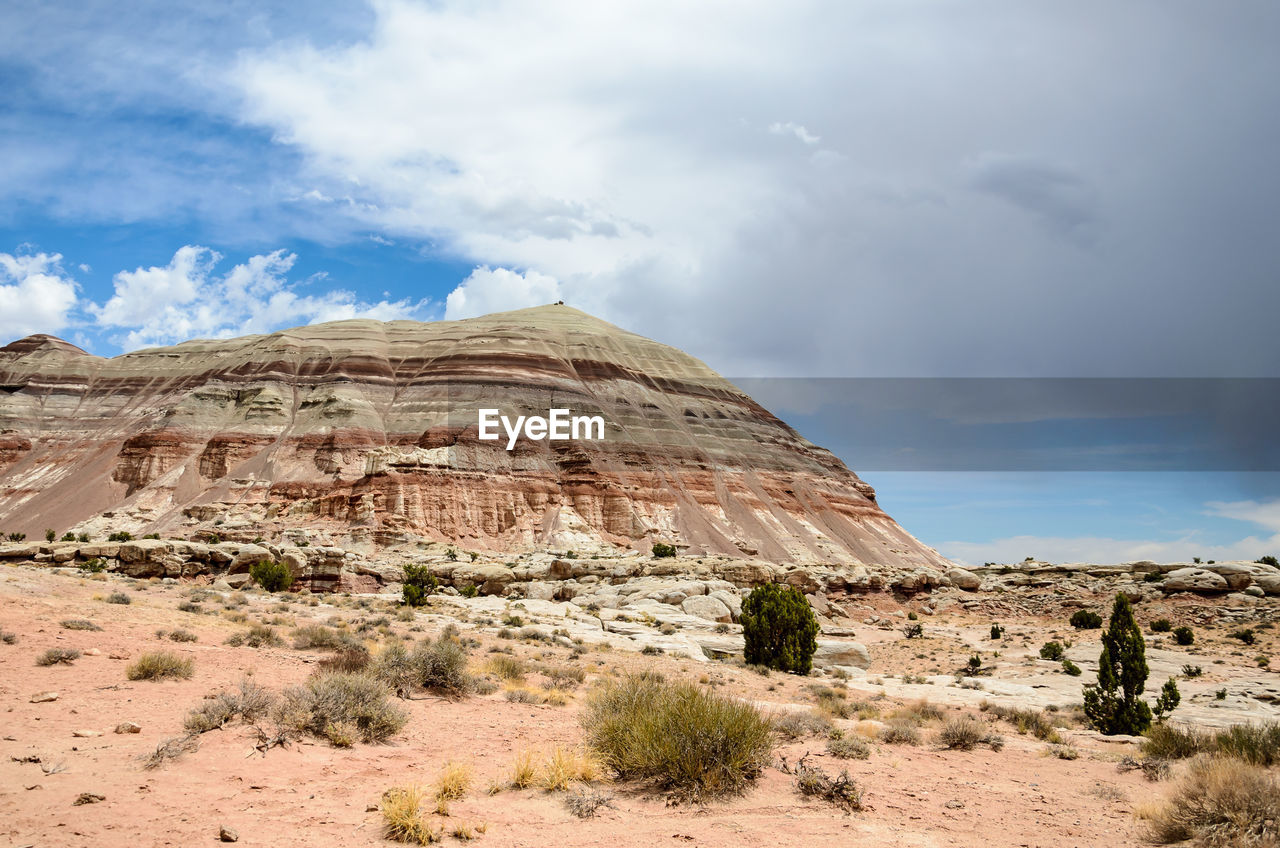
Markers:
(370, 429)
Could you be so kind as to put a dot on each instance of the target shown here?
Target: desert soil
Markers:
(312, 794)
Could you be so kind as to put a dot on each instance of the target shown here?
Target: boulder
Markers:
(962, 579)
(1194, 580)
(705, 606)
(730, 599)
(832, 653)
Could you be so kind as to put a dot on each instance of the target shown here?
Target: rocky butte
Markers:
(365, 435)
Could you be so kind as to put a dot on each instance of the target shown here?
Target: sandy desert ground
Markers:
(309, 793)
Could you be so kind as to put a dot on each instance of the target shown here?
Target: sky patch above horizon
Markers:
(815, 189)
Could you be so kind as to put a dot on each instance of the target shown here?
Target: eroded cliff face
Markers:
(371, 429)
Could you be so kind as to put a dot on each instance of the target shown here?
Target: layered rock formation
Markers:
(366, 433)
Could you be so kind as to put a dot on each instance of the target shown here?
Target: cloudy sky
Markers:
(836, 189)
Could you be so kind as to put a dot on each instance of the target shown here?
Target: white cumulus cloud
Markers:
(488, 290)
(36, 295)
(186, 299)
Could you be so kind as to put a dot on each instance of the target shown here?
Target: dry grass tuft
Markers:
(161, 665)
(524, 771)
(453, 782)
(1220, 802)
(402, 819)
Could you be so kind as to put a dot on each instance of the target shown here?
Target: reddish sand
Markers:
(311, 794)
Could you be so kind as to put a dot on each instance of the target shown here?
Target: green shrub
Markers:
(161, 665)
(68, 537)
(1161, 625)
(93, 566)
(1086, 620)
(1025, 721)
(997, 631)
(272, 576)
(17, 537)
(1184, 636)
(1246, 636)
(333, 704)
(1114, 705)
(681, 737)
(469, 591)
(120, 536)
(1052, 651)
(50, 535)
(1167, 742)
(1258, 744)
(779, 629)
(1189, 671)
(661, 550)
(441, 666)
(1269, 560)
(1071, 668)
(419, 584)
(1168, 699)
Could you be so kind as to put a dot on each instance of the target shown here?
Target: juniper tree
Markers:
(779, 629)
(1114, 705)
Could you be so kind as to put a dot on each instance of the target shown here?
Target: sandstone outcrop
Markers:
(356, 432)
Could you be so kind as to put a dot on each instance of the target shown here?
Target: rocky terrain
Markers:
(79, 734)
(367, 432)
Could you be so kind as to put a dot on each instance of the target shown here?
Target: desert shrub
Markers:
(119, 598)
(900, 732)
(1167, 742)
(170, 749)
(68, 537)
(17, 537)
(794, 725)
(779, 629)
(1052, 651)
(912, 630)
(1268, 560)
(849, 748)
(57, 656)
(257, 636)
(1161, 625)
(190, 606)
(565, 678)
(161, 665)
(1184, 636)
(1257, 744)
(402, 817)
(271, 575)
(1035, 722)
(677, 735)
(1071, 668)
(249, 703)
(93, 566)
(347, 659)
(1114, 705)
(585, 803)
(661, 550)
(332, 704)
(506, 668)
(8, 637)
(319, 637)
(997, 631)
(441, 666)
(1189, 671)
(1247, 636)
(120, 536)
(841, 790)
(79, 624)
(470, 590)
(418, 584)
(1086, 620)
(964, 733)
(1221, 802)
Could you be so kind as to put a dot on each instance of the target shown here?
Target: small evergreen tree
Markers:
(1169, 699)
(419, 583)
(661, 549)
(779, 629)
(272, 576)
(1114, 705)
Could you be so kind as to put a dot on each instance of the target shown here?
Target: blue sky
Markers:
(821, 189)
